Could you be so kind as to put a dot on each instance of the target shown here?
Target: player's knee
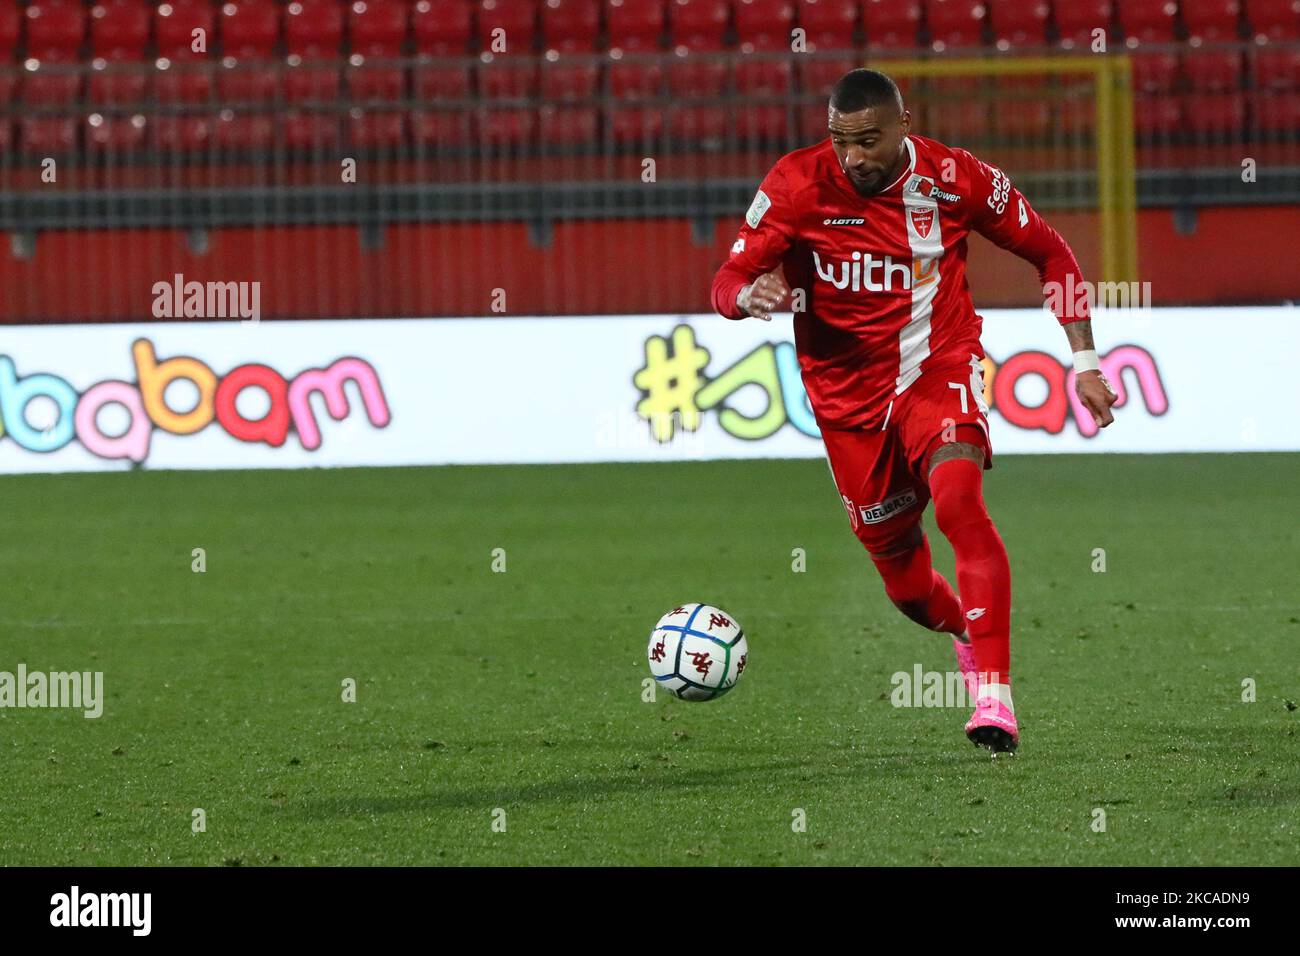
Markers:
(904, 567)
(958, 495)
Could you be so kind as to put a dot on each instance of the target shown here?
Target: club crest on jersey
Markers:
(922, 219)
(757, 208)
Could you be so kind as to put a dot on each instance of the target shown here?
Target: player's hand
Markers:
(1095, 394)
(761, 296)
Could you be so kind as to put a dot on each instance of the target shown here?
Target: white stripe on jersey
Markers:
(914, 338)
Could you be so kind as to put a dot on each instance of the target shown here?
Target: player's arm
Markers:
(746, 284)
(1001, 213)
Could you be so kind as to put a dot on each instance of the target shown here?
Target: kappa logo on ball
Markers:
(874, 514)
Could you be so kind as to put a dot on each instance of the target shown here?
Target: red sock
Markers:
(919, 591)
(983, 572)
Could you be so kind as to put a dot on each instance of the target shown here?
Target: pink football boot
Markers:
(993, 725)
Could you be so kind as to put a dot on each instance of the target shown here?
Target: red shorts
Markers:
(881, 473)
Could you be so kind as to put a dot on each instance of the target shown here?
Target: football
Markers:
(697, 651)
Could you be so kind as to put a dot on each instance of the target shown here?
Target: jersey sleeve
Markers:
(765, 236)
(1000, 212)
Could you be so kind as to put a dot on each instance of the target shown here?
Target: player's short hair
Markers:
(865, 89)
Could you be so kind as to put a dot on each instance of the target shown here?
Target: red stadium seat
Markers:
(1157, 115)
(377, 28)
(517, 19)
(111, 84)
(764, 77)
(313, 29)
(249, 30)
(508, 75)
(1214, 20)
(442, 128)
(565, 79)
(6, 134)
(115, 134)
(310, 80)
(1024, 111)
(243, 131)
(55, 29)
(635, 125)
(764, 24)
(11, 24)
(442, 27)
(634, 24)
(1213, 70)
(174, 24)
(1154, 72)
(433, 81)
(699, 126)
(816, 77)
(1276, 68)
(1277, 112)
(829, 24)
(769, 123)
(1078, 20)
(891, 23)
(631, 80)
(181, 134)
(374, 82)
(1274, 19)
(42, 135)
(246, 81)
(1018, 23)
(310, 131)
(1215, 114)
(699, 75)
(956, 120)
(1147, 21)
(812, 123)
(49, 85)
(571, 25)
(384, 129)
(506, 128)
(569, 125)
(698, 24)
(182, 82)
(955, 23)
(119, 29)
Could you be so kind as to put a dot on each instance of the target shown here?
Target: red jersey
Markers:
(884, 278)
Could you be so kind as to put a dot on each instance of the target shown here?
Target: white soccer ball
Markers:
(697, 651)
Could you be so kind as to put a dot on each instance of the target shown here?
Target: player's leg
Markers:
(913, 585)
(884, 502)
(944, 429)
(956, 474)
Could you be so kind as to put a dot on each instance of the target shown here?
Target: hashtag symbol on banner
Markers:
(669, 380)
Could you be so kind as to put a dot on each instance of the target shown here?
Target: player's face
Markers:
(869, 144)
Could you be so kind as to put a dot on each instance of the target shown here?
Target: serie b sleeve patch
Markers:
(760, 205)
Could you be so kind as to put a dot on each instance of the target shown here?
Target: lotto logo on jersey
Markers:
(865, 272)
(874, 514)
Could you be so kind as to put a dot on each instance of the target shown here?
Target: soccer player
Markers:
(869, 228)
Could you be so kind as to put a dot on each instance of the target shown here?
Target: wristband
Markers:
(1086, 361)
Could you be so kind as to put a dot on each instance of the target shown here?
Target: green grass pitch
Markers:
(523, 690)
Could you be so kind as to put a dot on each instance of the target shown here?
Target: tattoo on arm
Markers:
(1080, 335)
